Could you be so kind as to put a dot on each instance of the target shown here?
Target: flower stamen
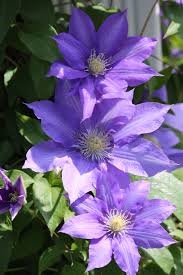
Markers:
(117, 222)
(97, 64)
(94, 144)
(13, 197)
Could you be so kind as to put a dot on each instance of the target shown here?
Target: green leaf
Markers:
(177, 234)
(6, 244)
(156, 83)
(162, 257)
(167, 186)
(51, 255)
(178, 173)
(110, 269)
(8, 11)
(23, 219)
(173, 28)
(30, 129)
(151, 269)
(41, 44)
(30, 241)
(21, 85)
(40, 11)
(7, 151)
(177, 253)
(43, 85)
(5, 222)
(14, 174)
(76, 268)
(50, 201)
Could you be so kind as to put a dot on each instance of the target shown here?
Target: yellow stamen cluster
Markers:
(117, 222)
(97, 64)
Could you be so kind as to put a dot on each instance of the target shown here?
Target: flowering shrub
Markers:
(91, 142)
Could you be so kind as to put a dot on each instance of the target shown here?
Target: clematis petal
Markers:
(6, 180)
(84, 226)
(89, 204)
(112, 88)
(113, 113)
(134, 73)
(157, 210)
(126, 254)
(79, 176)
(88, 97)
(100, 253)
(135, 48)
(110, 44)
(14, 209)
(55, 122)
(82, 28)
(46, 156)
(109, 186)
(4, 207)
(175, 120)
(19, 187)
(149, 234)
(67, 103)
(142, 158)
(135, 196)
(147, 118)
(166, 138)
(74, 52)
(62, 71)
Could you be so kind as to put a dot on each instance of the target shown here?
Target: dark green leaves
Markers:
(156, 83)
(40, 11)
(51, 255)
(8, 11)
(76, 268)
(6, 244)
(41, 44)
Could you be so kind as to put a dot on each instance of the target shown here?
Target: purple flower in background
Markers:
(166, 137)
(110, 140)
(97, 60)
(118, 221)
(12, 196)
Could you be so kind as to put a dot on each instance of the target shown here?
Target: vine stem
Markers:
(11, 60)
(148, 17)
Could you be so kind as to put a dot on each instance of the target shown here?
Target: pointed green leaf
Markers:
(50, 201)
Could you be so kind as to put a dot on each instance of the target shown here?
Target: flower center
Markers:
(13, 197)
(94, 144)
(97, 64)
(117, 222)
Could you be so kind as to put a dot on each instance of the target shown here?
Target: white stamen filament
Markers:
(97, 64)
(94, 144)
(117, 222)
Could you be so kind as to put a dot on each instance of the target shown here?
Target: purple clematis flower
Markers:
(12, 196)
(167, 138)
(117, 221)
(96, 60)
(109, 139)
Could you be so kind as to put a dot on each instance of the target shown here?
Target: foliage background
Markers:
(31, 245)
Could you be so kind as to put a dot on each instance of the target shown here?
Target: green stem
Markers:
(11, 60)
(148, 17)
